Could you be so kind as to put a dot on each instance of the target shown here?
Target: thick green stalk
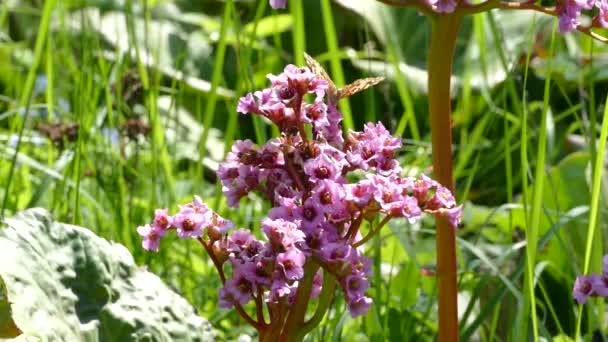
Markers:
(297, 312)
(443, 41)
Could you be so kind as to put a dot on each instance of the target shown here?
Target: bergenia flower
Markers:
(278, 3)
(319, 186)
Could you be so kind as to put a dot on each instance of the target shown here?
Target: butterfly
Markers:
(333, 93)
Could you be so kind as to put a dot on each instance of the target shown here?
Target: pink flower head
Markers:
(422, 186)
(336, 255)
(328, 195)
(359, 193)
(375, 147)
(237, 289)
(443, 198)
(151, 235)
(278, 3)
(599, 284)
(355, 285)
(270, 155)
(359, 306)
(243, 151)
(312, 215)
(602, 17)
(282, 234)
(568, 12)
(280, 289)
(291, 264)
(583, 288)
(240, 240)
(162, 220)
(247, 104)
(190, 222)
(316, 114)
(443, 6)
(322, 167)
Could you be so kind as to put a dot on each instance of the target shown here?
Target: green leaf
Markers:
(67, 284)
(269, 25)
(404, 287)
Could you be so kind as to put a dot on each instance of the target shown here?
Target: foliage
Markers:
(65, 283)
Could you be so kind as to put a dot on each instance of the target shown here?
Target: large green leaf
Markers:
(67, 284)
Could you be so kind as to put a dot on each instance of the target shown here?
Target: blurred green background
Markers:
(112, 108)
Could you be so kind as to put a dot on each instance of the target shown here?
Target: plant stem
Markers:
(325, 300)
(443, 40)
(295, 319)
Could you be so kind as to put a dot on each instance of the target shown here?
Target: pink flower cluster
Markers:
(321, 187)
(569, 12)
(192, 221)
(593, 285)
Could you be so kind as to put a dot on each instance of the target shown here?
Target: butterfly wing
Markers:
(316, 68)
(357, 86)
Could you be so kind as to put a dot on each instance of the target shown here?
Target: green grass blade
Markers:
(299, 31)
(26, 96)
(337, 73)
(594, 205)
(532, 229)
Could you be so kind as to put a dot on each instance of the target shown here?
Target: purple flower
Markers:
(237, 289)
(258, 272)
(151, 236)
(328, 195)
(316, 114)
(359, 306)
(239, 240)
(291, 264)
(161, 219)
(243, 151)
(278, 3)
(312, 215)
(336, 255)
(443, 6)
(315, 212)
(389, 194)
(247, 104)
(282, 234)
(454, 215)
(583, 288)
(360, 193)
(375, 147)
(280, 289)
(355, 285)
(599, 284)
(569, 11)
(602, 17)
(567, 23)
(443, 198)
(270, 156)
(190, 222)
(322, 167)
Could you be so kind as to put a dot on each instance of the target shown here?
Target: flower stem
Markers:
(220, 270)
(373, 232)
(443, 40)
(295, 319)
(325, 300)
